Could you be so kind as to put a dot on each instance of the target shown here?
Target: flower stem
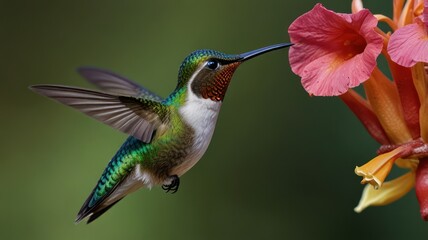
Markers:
(408, 96)
(387, 20)
(385, 102)
(406, 16)
(398, 7)
(420, 81)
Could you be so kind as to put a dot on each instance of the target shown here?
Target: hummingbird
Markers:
(167, 136)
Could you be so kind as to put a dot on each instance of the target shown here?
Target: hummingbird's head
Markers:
(207, 73)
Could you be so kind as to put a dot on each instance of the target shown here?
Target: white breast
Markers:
(201, 114)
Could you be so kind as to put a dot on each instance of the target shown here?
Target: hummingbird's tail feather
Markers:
(112, 82)
(94, 210)
(97, 214)
(93, 214)
(122, 176)
(84, 211)
(95, 207)
(90, 209)
(136, 117)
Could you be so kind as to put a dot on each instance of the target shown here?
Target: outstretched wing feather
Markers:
(112, 82)
(133, 116)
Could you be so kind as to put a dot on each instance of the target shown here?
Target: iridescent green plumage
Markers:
(165, 151)
(167, 136)
(191, 62)
(131, 153)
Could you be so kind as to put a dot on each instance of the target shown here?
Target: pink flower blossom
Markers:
(333, 52)
(409, 44)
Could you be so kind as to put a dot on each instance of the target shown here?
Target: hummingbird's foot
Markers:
(173, 186)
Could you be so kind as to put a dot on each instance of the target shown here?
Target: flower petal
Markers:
(377, 169)
(357, 5)
(388, 193)
(409, 44)
(330, 46)
(385, 102)
(407, 163)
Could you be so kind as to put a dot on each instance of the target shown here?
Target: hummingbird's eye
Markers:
(212, 64)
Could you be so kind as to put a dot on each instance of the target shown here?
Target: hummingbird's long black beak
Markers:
(257, 52)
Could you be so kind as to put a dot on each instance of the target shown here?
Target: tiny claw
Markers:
(173, 186)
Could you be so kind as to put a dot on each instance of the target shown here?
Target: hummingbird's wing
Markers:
(114, 83)
(138, 117)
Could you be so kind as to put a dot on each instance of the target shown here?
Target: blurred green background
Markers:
(280, 164)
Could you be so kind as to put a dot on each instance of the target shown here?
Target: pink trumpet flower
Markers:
(335, 52)
(409, 44)
(326, 56)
